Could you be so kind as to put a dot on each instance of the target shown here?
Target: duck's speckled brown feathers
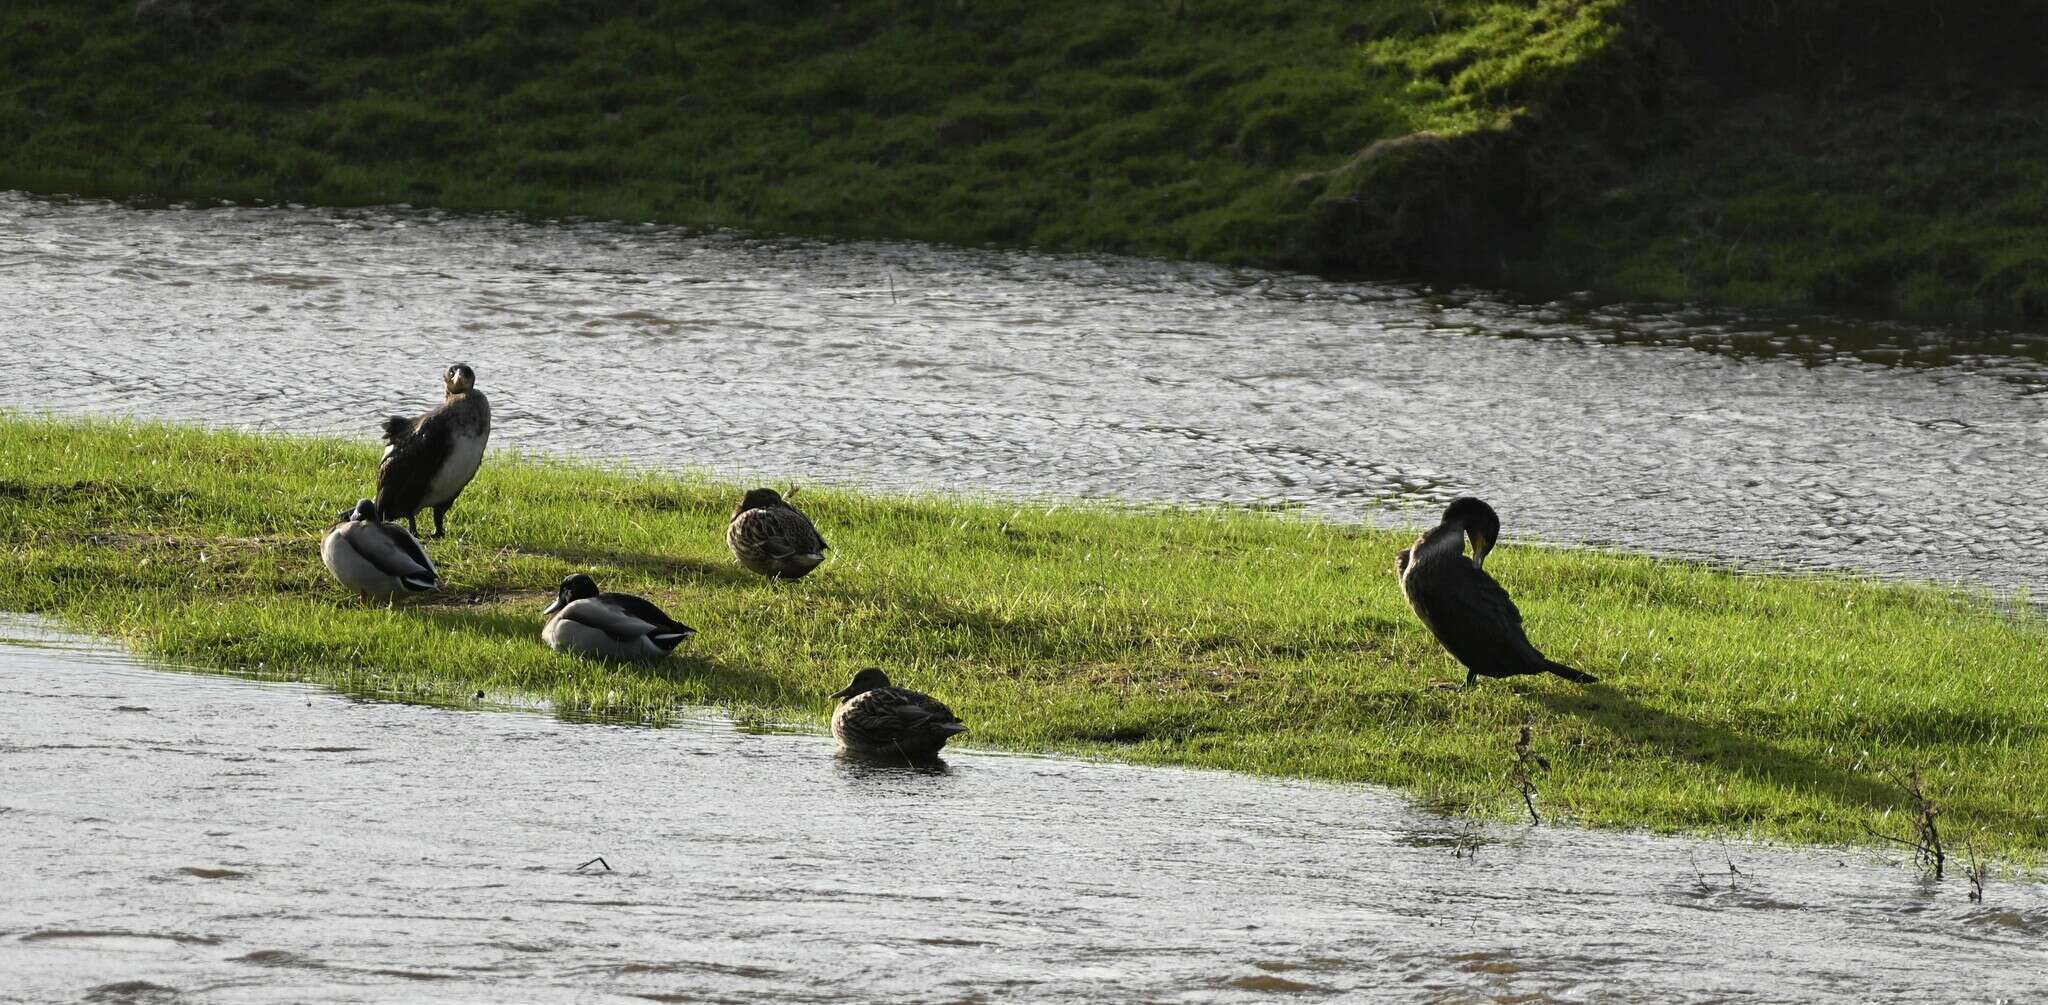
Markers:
(895, 720)
(771, 537)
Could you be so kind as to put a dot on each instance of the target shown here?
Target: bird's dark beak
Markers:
(1480, 546)
(556, 606)
(841, 694)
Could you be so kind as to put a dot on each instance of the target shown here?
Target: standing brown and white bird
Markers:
(1462, 605)
(431, 459)
(771, 537)
(876, 718)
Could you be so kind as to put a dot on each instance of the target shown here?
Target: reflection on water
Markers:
(1879, 448)
(185, 837)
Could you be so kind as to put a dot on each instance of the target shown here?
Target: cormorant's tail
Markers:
(396, 428)
(1572, 674)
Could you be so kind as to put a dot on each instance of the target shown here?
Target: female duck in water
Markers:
(432, 458)
(1463, 607)
(616, 626)
(374, 558)
(877, 719)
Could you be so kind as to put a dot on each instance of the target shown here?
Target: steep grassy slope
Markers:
(1882, 155)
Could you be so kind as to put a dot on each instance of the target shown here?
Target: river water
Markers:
(1878, 448)
(172, 837)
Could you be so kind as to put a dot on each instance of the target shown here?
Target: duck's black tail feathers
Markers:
(1572, 674)
(396, 428)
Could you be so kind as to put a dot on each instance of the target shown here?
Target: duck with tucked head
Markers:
(875, 718)
(431, 459)
(376, 559)
(769, 536)
(1463, 606)
(618, 626)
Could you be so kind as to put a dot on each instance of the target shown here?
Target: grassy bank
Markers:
(1771, 707)
(1881, 154)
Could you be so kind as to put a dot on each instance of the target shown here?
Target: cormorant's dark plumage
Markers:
(431, 459)
(1463, 606)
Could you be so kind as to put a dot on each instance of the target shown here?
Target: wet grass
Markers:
(1773, 707)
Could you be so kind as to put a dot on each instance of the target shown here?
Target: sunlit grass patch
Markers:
(1775, 707)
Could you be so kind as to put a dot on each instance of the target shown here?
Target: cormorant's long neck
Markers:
(1446, 541)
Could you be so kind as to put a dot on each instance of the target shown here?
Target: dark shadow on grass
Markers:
(1734, 753)
(667, 567)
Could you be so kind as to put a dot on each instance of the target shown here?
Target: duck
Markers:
(431, 459)
(1462, 605)
(876, 718)
(773, 538)
(618, 626)
(376, 559)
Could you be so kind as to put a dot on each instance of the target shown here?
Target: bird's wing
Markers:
(779, 532)
(1474, 618)
(393, 551)
(917, 709)
(619, 625)
(644, 610)
(407, 471)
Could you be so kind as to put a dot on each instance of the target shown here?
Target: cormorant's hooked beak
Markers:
(842, 694)
(1480, 546)
(556, 606)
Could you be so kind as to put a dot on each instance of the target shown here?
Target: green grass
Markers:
(1879, 154)
(1766, 706)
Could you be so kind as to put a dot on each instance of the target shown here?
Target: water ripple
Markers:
(1878, 448)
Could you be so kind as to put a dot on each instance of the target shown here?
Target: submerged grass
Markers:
(1771, 707)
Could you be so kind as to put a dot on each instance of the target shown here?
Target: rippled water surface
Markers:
(1878, 448)
(170, 837)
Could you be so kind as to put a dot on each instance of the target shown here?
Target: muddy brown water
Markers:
(177, 837)
(1886, 449)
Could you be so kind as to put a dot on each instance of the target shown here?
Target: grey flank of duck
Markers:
(769, 536)
(378, 560)
(431, 459)
(1463, 606)
(877, 719)
(618, 626)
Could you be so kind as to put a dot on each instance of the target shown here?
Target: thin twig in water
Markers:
(596, 861)
(1526, 760)
(1926, 842)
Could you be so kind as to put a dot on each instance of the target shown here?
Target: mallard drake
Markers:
(876, 718)
(374, 558)
(432, 458)
(1462, 605)
(616, 626)
(771, 537)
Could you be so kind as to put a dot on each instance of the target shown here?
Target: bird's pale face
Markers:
(459, 379)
